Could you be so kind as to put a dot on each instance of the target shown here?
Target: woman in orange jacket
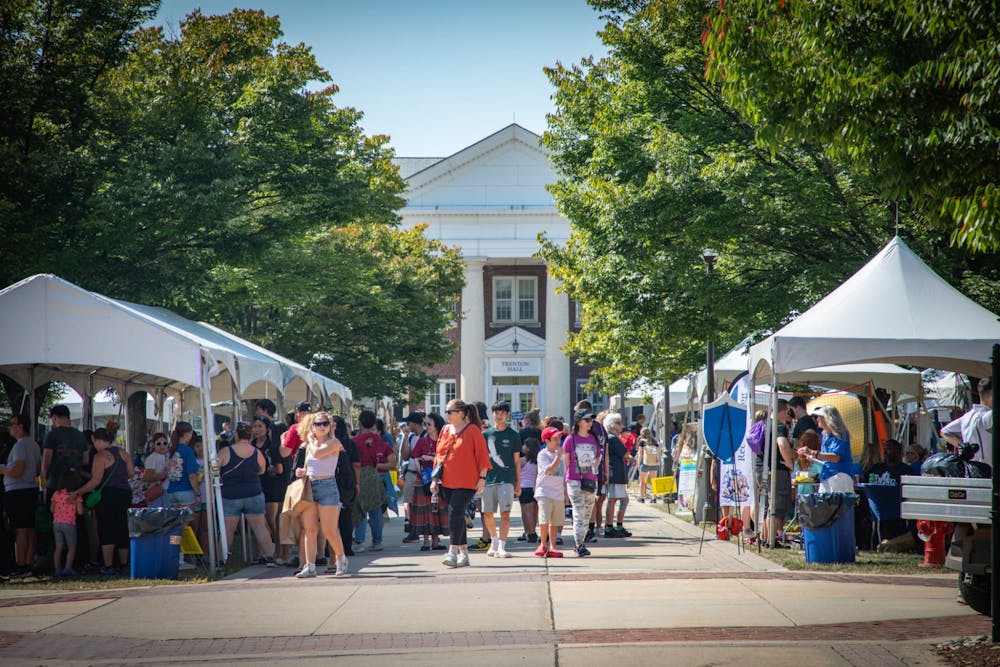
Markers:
(461, 462)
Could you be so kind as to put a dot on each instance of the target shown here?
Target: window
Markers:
(577, 313)
(599, 401)
(515, 299)
(439, 396)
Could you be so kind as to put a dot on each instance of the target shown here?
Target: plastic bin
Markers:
(155, 537)
(833, 544)
(156, 556)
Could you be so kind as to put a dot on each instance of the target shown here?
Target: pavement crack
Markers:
(334, 611)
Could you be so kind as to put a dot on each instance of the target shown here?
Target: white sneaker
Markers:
(450, 560)
(502, 553)
(463, 560)
(492, 552)
(308, 571)
(341, 567)
(360, 548)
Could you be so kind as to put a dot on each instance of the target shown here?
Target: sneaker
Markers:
(501, 553)
(532, 538)
(523, 538)
(411, 538)
(582, 551)
(610, 532)
(450, 560)
(591, 536)
(69, 572)
(270, 562)
(492, 551)
(308, 571)
(621, 532)
(480, 545)
(554, 554)
(360, 548)
(341, 567)
(108, 571)
(463, 560)
(376, 546)
(541, 551)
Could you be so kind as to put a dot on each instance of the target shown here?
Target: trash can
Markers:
(827, 521)
(155, 534)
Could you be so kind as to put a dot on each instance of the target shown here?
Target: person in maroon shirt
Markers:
(376, 456)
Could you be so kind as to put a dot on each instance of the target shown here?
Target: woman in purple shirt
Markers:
(582, 456)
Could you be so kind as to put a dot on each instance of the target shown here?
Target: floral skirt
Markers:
(423, 519)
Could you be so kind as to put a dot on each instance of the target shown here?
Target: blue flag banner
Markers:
(723, 424)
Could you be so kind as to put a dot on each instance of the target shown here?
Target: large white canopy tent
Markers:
(59, 331)
(894, 309)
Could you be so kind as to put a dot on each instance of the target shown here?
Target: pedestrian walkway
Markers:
(645, 597)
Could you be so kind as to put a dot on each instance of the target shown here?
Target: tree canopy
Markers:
(167, 168)
(906, 90)
(656, 165)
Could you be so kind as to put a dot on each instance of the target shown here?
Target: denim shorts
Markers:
(181, 497)
(249, 506)
(325, 492)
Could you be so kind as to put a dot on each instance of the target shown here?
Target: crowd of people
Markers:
(451, 469)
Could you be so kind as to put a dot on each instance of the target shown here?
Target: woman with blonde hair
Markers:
(460, 464)
(322, 449)
(835, 452)
(649, 451)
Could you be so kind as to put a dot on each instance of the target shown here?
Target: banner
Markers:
(687, 474)
(736, 487)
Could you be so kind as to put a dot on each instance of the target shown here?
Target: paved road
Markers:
(649, 597)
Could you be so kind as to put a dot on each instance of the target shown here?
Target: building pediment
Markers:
(503, 343)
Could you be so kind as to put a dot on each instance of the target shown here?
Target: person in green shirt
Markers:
(503, 480)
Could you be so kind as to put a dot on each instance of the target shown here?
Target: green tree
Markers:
(196, 150)
(368, 305)
(906, 90)
(656, 166)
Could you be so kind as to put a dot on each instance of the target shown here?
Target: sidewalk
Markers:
(649, 595)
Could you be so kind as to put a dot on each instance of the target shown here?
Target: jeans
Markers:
(458, 501)
(375, 521)
(583, 508)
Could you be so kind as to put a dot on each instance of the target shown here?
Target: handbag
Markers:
(298, 496)
(588, 485)
(94, 499)
(426, 474)
(153, 492)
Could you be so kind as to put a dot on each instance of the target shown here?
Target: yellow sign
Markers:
(663, 485)
(189, 543)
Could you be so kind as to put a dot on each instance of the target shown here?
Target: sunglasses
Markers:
(160, 443)
(321, 423)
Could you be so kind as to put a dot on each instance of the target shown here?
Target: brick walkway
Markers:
(65, 647)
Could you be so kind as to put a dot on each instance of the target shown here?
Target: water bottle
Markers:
(434, 501)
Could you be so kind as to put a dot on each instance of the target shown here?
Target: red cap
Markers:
(548, 432)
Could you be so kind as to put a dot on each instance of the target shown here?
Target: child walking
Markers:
(550, 492)
(65, 508)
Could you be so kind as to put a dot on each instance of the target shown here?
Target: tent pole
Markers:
(995, 504)
(213, 509)
(774, 453)
(31, 404)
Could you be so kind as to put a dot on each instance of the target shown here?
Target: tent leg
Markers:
(774, 454)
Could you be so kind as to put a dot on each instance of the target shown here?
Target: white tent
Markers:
(894, 309)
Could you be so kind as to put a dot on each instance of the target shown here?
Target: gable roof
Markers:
(894, 309)
(512, 132)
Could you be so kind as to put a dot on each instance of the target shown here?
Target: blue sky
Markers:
(435, 75)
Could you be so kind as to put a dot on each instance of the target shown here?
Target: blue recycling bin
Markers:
(156, 556)
(155, 537)
(833, 544)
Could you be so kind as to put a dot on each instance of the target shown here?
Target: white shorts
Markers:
(617, 491)
(498, 496)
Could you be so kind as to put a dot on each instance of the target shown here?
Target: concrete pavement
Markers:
(648, 597)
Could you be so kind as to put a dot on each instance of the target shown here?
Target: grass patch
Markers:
(866, 562)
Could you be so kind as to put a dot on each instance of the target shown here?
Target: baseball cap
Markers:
(816, 411)
(303, 406)
(582, 414)
(548, 432)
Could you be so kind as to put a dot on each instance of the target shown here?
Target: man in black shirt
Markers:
(803, 420)
(774, 520)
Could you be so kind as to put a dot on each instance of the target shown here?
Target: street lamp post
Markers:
(710, 256)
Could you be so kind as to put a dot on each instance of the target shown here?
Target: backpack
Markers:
(755, 438)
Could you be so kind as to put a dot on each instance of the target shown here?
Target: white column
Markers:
(558, 395)
(473, 357)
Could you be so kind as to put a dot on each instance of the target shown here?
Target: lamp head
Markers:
(709, 256)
